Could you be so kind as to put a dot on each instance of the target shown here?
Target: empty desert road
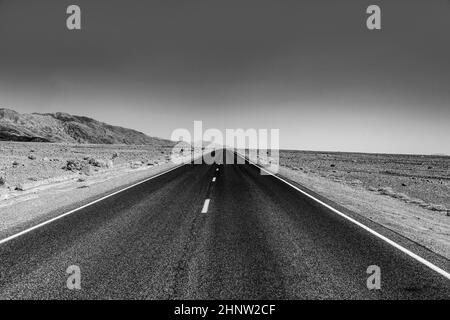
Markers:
(210, 232)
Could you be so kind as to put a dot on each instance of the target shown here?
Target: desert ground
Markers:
(417, 179)
(408, 194)
(25, 164)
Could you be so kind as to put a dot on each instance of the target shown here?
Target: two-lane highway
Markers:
(210, 232)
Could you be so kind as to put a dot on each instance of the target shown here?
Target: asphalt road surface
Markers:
(256, 238)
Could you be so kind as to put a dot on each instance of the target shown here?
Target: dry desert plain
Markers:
(409, 194)
(418, 179)
(24, 164)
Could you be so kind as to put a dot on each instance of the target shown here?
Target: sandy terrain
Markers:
(408, 194)
(24, 165)
(422, 180)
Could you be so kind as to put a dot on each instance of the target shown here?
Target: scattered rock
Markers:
(417, 201)
(32, 157)
(2, 181)
(356, 182)
(136, 164)
(437, 207)
(402, 196)
(404, 184)
(114, 155)
(15, 163)
(387, 191)
(332, 165)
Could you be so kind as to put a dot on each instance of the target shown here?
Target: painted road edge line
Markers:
(206, 206)
(3, 241)
(373, 232)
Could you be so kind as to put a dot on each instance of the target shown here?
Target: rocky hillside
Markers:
(63, 127)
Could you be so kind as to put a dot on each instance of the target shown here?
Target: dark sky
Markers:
(309, 68)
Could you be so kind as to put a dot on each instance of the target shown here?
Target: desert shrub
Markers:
(99, 163)
(74, 165)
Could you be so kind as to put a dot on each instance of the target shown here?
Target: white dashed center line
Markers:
(214, 179)
(205, 206)
(217, 169)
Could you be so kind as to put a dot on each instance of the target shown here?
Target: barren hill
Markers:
(63, 127)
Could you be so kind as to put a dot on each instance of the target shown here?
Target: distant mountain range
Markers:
(63, 127)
